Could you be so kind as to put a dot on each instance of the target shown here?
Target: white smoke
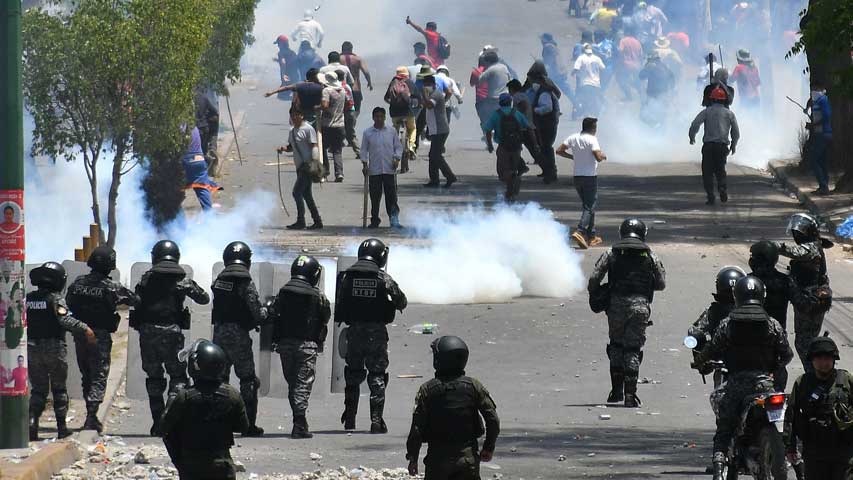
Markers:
(480, 255)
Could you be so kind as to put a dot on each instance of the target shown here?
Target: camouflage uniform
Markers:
(704, 329)
(447, 417)
(93, 299)
(808, 270)
(298, 362)
(781, 290)
(629, 310)
(160, 319)
(750, 361)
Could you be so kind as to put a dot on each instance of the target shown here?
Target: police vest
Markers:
(809, 273)
(816, 423)
(632, 269)
(207, 420)
(453, 413)
(89, 297)
(229, 304)
(300, 315)
(751, 343)
(364, 295)
(160, 303)
(43, 315)
(776, 302)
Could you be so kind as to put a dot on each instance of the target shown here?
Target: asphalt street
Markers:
(542, 359)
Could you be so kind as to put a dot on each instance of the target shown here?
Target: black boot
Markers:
(617, 382)
(249, 392)
(62, 429)
(377, 423)
(631, 398)
(300, 427)
(92, 422)
(60, 409)
(34, 428)
(350, 407)
(157, 408)
(718, 465)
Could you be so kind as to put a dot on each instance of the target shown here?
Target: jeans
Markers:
(587, 188)
(302, 194)
(378, 184)
(819, 158)
(437, 163)
(333, 142)
(714, 166)
(350, 118)
(407, 122)
(205, 199)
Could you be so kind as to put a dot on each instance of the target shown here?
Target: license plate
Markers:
(776, 415)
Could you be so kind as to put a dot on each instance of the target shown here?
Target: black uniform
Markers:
(159, 318)
(198, 428)
(780, 292)
(367, 300)
(237, 310)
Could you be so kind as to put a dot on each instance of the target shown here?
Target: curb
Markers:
(42, 464)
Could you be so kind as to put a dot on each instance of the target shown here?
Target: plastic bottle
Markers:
(424, 328)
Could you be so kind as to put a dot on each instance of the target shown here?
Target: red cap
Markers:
(719, 94)
(281, 39)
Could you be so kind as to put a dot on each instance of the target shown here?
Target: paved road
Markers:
(542, 359)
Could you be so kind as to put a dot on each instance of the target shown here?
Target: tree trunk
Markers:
(91, 164)
(118, 163)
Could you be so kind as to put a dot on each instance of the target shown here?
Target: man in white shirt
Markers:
(308, 30)
(381, 151)
(586, 154)
(588, 68)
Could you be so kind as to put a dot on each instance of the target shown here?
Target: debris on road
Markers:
(604, 417)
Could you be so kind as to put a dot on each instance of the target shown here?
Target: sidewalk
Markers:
(832, 209)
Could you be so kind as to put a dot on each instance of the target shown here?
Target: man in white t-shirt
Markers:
(586, 154)
(587, 69)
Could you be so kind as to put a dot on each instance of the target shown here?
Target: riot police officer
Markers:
(160, 319)
(199, 421)
(634, 273)
(237, 310)
(819, 415)
(752, 346)
(447, 417)
(367, 299)
(763, 257)
(93, 298)
(808, 270)
(47, 320)
(300, 317)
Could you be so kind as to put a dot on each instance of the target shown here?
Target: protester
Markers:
(307, 58)
(586, 38)
(508, 126)
(349, 116)
(309, 30)
(302, 141)
(288, 67)
(554, 66)
(521, 102)
(421, 131)
(382, 154)
(357, 67)
(455, 99)
(544, 99)
(404, 105)
(721, 79)
(680, 43)
(588, 68)
(308, 96)
(748, 80)
(333, 104)
(335, 66)
(586, 154)
(602, 19)
(495, 77)
(719, 122)
(603, 48)
(491, 48)
(195, 171)
(820, 136)
(439, 130)
(481, 90)
(421, 57)
(706, 76)
(629, 63)
(669, 57)
(660, 88)
(437, 47)
(207, 122)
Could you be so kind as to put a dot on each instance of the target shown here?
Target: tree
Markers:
(113, 77)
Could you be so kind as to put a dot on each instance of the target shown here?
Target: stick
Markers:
(233, 128)
(280, 193)
(795, 102)
(364, 210)
(722, 62)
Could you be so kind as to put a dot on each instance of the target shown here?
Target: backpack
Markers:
(512, 136)
(443, 47)
(399, 94)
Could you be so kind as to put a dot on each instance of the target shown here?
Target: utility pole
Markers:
(14, 392)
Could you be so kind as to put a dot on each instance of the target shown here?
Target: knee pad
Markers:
(60, 402)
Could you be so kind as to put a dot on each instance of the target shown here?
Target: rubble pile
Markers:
(344, 473)
(112, 459)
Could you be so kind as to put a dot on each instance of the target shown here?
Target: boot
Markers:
(350, 407)
(60, 409)
(92, 422)
(378, 426)
(298, 225)
(718, 465)
(300, 427)
(249, 392)
(157, 408)
(617, 382)
(34, 428)
(62, 429)
(377, 423)
(631, 398)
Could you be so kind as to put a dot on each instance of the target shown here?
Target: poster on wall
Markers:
(13, 320)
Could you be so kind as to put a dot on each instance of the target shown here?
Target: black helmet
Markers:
(727, 277)
(49, 275)
(633, 228)
(804, 228)
(102, 259)
(307, 268)
(749, 290)
(206, 361)
(449, 354)
(165, 250)
(373, 249)
(237, 253)
(823, 345)
(763, 255)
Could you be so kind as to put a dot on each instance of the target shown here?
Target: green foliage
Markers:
(232, 32)
(827, 36)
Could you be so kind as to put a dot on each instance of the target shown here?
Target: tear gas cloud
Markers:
(480, 255)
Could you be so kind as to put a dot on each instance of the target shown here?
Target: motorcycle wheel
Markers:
(771, 459)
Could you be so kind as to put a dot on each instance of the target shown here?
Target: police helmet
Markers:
(102, 259)
(374, 250)
(727, 277)
(237, 253)
(763, 255)
(633, 228)
(804, 228)
(206, 361)
(823, 345)
(165, 250)
(749, 290)
(449, 354)
(49, 275)
(307, 268)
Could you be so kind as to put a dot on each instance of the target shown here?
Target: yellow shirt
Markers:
(603, 18)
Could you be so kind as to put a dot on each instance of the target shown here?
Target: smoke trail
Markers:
(480, 255)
